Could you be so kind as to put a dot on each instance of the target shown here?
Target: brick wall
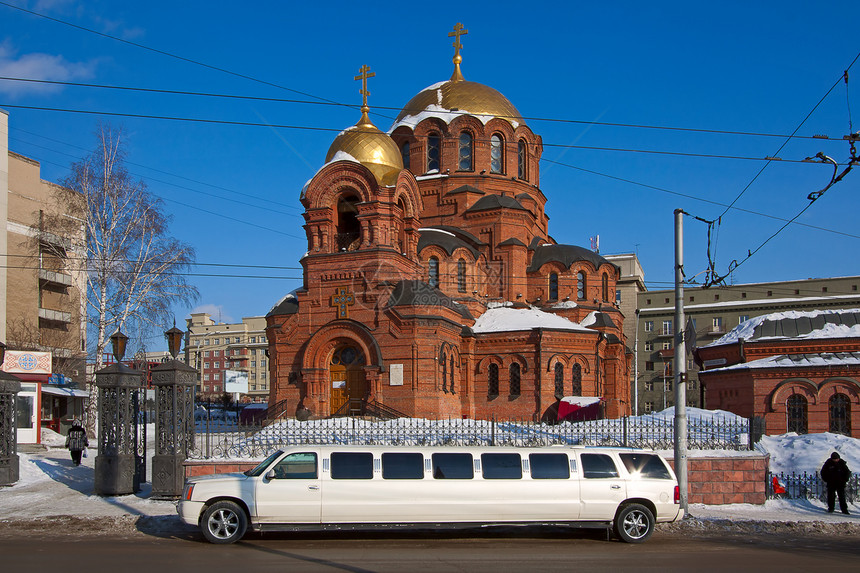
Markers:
(711, 480)
(721, 480)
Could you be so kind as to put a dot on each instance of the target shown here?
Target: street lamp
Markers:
(174, 340)
(118, 342)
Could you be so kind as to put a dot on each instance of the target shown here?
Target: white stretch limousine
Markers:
(351, 487)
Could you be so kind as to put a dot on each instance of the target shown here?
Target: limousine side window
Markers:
(297, 466)
(351, 465)
(645, 466)
(596, 466)
(501, 466)
(453, 466)
(402, 466)
(549, 466)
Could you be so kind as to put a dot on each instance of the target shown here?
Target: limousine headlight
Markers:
(189, 490)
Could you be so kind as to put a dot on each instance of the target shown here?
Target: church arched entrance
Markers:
(349, 387)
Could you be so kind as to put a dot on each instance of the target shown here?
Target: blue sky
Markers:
(233, 190)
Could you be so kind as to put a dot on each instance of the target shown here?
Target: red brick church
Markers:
(432, 287)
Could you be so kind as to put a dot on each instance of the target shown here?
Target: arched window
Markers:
(433, 145)
(404, 153)
(451, 383)
(444, 374)
(604, 287)
(348, 230)
(559, 381)
(461, 275)
(497, 154)
(580, 285)
(576, 378)
(433, 272)
(840, 414)
(553, 286)
(522, 159)
(515, 379)
(493, 380)
(465, 155)
(796, 413)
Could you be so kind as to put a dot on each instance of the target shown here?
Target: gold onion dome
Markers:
(457, 96)
(370, 147)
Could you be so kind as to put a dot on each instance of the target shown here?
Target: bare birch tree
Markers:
(135, 271)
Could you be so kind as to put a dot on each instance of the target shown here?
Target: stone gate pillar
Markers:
(9, 388)
(115, 471)
(174, 384)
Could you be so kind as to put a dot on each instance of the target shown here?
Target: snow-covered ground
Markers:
(50, 485)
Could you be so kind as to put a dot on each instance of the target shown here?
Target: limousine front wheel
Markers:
(224, 522)
(634, 523)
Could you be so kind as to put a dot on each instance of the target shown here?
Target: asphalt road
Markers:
(535, 549)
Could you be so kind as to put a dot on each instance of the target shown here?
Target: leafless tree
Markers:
(135, 271)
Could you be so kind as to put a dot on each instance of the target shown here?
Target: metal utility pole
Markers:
(680, 363)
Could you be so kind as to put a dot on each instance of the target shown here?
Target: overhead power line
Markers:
(390, 108)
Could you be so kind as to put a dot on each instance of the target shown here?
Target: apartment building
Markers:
(711, 313)
(218, 350)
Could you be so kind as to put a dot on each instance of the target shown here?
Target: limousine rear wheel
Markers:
(634, 523)
(224, 522)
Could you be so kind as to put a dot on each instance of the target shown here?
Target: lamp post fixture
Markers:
(10, 385)
(118, 467)
(174, 383)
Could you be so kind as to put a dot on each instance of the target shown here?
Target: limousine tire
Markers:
(224, 522)
(634, 523)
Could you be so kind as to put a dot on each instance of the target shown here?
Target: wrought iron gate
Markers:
(138, 398)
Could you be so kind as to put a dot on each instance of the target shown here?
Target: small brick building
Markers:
(431, 283)
(797, 370)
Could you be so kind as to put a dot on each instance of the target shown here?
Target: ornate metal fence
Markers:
(224, 437)
(807, 486)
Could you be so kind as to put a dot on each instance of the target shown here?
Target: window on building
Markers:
(649, 407)
(433, 272)
(515, 379)
(576, 380)
(206, 378)
(522, 160)
(216, 353)
(433, 146)
(581, 286)
(263, 363)
(649, 385)
(493, 380)
(649, 346)
(717, 324)
(553, 286)
(216, 365)
(216, 376)
(743, 318)
(253, 340)
(604, 287)
(253, 363)
(404, 154)
(206, 354)
(559, 381)
(649, 365)
(840, 414)
(667, 328)
(205, 365)
(497, 154)
(461, 275)
(444, 375)
(649, 326)
(465, 154)
(216, 341)
(262, 339)
(206, 342)
(667, 345)
(667, 385)
(451, 374)
(796, 414)
(617, 297)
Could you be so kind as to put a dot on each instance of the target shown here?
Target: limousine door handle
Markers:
(615, 486)
(313, 487)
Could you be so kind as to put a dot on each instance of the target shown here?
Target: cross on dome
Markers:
(458, 31)
(364, 73)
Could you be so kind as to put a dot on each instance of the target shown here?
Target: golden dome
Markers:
(459, 96)
(370, 147)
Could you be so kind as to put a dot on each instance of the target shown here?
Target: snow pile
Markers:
(52, 439)
(807, 452)
(510, 319)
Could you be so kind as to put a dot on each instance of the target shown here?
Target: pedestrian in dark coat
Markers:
(76, 441)
(835, 474)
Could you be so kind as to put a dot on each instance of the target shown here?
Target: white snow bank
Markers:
(807, 452)
(509, 319)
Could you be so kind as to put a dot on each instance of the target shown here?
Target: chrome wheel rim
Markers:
(223, 524)
(635, 524)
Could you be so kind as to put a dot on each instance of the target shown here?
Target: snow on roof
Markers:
(432, 174)
(747, 328)
(288, 296)
(753, 302)
(339, 156)
(439, 112)
(798, 361)
(422, 229)
(590, 319)
(504, 319)
(567, 304)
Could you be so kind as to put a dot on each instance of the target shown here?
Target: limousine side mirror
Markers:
(270, 475)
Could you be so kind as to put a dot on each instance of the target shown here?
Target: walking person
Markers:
(76, 441)
(835, 474)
